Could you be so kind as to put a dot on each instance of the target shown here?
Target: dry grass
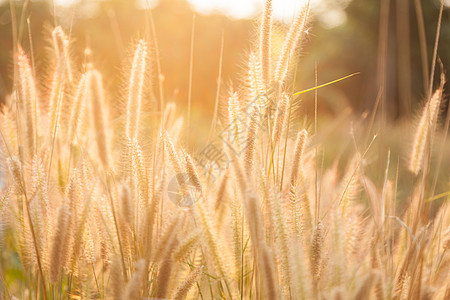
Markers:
(90, 210)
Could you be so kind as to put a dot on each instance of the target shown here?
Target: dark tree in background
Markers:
(355, 47)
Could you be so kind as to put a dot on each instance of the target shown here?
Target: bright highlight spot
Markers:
(282, 9)
(330, 15)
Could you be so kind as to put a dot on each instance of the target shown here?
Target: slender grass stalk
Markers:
(100, 117)
(423, 132)
(58, 244)
(135, 90)
(251, 143)
(77, 112)
(293, 39)
(15, 169)
(27, 98)
(265, 41)
(191, 66)
(187, 284)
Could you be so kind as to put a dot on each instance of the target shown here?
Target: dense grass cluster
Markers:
(88, 208)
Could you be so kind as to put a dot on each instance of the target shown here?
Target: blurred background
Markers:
(381, 39)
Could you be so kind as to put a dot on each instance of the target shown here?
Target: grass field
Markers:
(104, 196)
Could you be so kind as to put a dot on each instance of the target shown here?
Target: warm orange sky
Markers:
(283, 9)
(247, 8)
(329, 12)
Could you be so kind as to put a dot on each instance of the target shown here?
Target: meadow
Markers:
(104, 196)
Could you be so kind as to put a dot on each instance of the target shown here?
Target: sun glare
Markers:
(232, 149)
(282, 9)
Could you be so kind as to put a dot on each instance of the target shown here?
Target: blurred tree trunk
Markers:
(382, 56)
(403, 57)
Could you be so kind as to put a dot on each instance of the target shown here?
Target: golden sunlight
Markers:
(224, 149)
